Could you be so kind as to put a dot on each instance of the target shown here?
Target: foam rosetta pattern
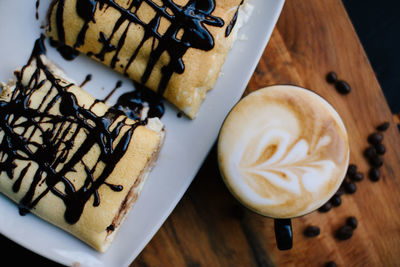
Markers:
(283, 151)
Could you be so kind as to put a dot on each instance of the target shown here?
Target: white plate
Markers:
(186, 146)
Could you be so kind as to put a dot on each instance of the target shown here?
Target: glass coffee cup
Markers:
(283, 152)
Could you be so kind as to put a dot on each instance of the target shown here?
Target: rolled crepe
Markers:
(69, 158)
(176, 48)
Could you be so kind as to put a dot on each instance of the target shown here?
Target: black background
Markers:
(378, 26)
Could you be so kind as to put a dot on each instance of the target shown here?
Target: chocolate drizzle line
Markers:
(54, 155)
(88, 78)
(132, 103)
(65, 51)
(232, 24)
(191, 19)
(37, 9)
(117, 85)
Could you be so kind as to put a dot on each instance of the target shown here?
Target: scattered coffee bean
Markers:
(380, 149)
(357, 177)
(326, 207)
(353, 174)
(342, 87)
(374, 174)
(352, 222)
(350, 187)
(330, 264)
(383, 127)
(336, 201)
(331, 77)
(344, 232)
(370, 152)
(376, 161)
(352, 170)
(312, 231)
(340, 191)
(375, 138)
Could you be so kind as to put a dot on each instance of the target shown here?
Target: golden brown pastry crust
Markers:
(186, 90)
(97, 225)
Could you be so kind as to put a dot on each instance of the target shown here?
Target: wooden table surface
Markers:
(210, 228)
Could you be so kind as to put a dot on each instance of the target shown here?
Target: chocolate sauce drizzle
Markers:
(232, 23)
(37, 9)
(88, 78)
(117, 85)
(187, 30)
(65, 51)
(55, 154)
(132, 103)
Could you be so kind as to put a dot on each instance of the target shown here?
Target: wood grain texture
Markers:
(210, 228)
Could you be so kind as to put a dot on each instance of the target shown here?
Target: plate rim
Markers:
(278, 5)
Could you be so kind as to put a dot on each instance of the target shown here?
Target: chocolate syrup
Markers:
(37, 9)
(85, 10)
(132, 103)
(191, 18)
(54, 155)
(88, 78)
(232, 24)
(65, 51)
(117, 85)
(110, 228)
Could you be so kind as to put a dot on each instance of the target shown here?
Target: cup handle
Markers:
(283, 234)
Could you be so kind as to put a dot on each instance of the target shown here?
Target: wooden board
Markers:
(210, 228)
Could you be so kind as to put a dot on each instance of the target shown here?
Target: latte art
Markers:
(289, 168)
(283, 151)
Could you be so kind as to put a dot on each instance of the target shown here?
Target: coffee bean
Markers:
(344, 232)
(370, 152)
(357, 177)
(340, 191)
(336, 201)
(380, 149)
(342, 87)
(352, 222)
(351, 170)
(350, 187)
(383, 127)
(331, 77)
(374, 174)
(326, 207)
(376, 161)
(311, 231)
(375, 138)
(330, 264)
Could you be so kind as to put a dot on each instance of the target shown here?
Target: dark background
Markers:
(378, 26)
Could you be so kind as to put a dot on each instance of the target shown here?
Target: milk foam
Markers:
(283, 151)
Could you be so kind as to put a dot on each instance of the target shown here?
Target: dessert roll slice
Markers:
(174, 47)
(69, 158)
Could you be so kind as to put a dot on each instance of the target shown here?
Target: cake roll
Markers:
(176, 48)
(67, 157)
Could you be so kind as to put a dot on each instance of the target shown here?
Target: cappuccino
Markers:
(283, 151)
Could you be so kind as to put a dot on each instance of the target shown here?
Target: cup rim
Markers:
(255, 210)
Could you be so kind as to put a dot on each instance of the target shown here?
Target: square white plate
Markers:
(186, 146)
